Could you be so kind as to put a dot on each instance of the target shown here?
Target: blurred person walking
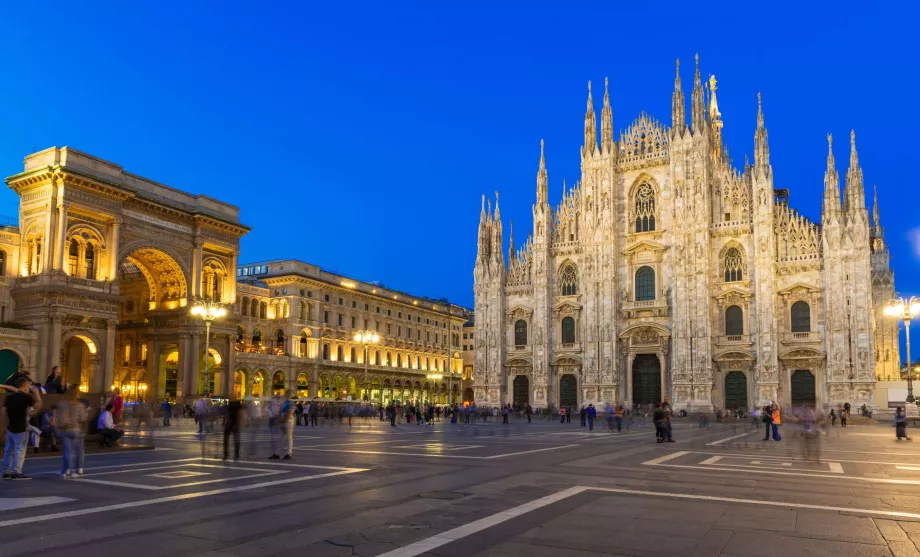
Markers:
(23, 397)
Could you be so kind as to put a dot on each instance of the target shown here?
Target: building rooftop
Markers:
(262, 272)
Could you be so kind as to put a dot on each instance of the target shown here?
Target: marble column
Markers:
(109, 361)
(113, 249)
(153, 370)
(61, 236)
(629, 380)
(54, 341)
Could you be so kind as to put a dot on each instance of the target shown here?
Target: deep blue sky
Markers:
(360, 138)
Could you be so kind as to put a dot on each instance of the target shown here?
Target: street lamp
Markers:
(905, 310)
(366, 338)
(208, 311)
(434, 377)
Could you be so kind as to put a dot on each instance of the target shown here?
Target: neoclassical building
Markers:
(101, 272)
(668, 272)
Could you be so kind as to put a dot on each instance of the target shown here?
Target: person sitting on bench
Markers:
(106, 427)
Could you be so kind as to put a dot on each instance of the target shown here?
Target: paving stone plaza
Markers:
(486, 489)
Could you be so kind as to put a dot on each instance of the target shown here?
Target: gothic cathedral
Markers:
(667, 273)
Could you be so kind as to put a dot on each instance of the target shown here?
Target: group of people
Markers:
(67, 421)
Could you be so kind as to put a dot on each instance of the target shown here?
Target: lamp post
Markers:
(366, 338)
(208, 311)
(905, 310)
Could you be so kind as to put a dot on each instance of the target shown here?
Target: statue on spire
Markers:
(606, 122)
(590, 145)
(697, 105)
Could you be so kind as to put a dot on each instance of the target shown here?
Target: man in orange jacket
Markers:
(776, 422)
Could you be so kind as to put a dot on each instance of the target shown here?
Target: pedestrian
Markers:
(118, 406)
(658, 420)
(568, 415)
(833, 418)
(766, 416)
(618, 417)
(54, 384)
(201, 414)
(776, 422)
(314, 413)
(900, 423)
(107, 427)
(528, 411)
(167, 411)
(299, 413)
(505, 414)
(666, 406)
(844, 414)
(22, 397)
(591, 415)
(234, 420)
(583, 415)
(562, 414)
(286, 423)
(70, 417)
(274, 427)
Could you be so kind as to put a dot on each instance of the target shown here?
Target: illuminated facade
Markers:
(667, 272)
(101, 273)
(296, 331)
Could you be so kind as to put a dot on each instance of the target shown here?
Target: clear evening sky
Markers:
(360, 137)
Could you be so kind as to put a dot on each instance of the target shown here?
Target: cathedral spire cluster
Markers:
(793, 289)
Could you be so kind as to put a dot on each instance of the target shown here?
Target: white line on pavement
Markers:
(665, 458)
(720, 441)
(444, 538)
(528, 452)
(184, 497)
(712, 460)
(826, 476)
(911, 468)
(897, 514)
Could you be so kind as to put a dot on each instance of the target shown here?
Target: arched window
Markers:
(256, 336)
(568, 280)
(255, 307)
(73, 258)
(279, 339)
(645, 284)
(240, 334)
(353, 354)
(734, 321)
(2, 263)
(302, 311)
(645, 208)
(263, 310)
(801, 317)
(216, 282)
(520, 332)
(733, 265)
(244, 307)
(89, 262)
(568, 330)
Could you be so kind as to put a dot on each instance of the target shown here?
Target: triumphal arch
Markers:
(107, 267)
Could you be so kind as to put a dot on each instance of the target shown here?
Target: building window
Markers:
(353, 359)
(325, 351)
(734, 321)
(389, 330)
(325, 317)
(255, 308)
(256, 337)
(377, 357)
(279, 340)
(263, 309)
(354, 320)
(354, 304)
(568, 330)
(338, 354)
(568, 280)
(399, 360)
(801, 317)
(74, 258)
(341, 302)
(645, 208)
(2, 263)
(645, 284)
(733, 265)
(520, 332)
(341, 320)
(326, 297)
(89, 262)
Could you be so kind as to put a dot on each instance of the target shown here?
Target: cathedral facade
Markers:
(665, 272)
